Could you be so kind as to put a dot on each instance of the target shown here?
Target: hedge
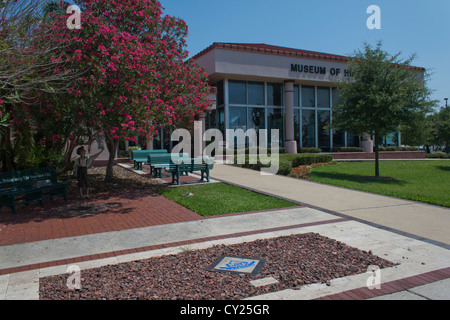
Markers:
(305, 159)
(310, 150)
(439, 154)
(350, 149)
(254, 150)
(398, 149)
(288, 161)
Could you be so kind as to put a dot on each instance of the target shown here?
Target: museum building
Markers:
(262, 86)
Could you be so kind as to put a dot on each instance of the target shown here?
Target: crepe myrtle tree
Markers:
(139, 78)
(383, 92)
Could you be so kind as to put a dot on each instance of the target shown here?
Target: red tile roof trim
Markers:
(281, 51)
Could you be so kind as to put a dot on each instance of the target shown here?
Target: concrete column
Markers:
(199, 129)
(367, 143)
(290, 143)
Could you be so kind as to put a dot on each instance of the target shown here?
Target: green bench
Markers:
(190, 165)
(157, 162)
(30, 185)
(140, 156)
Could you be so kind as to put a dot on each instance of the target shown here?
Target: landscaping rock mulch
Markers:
(294, 261)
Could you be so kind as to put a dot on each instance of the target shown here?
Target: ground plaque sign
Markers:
(243, 265)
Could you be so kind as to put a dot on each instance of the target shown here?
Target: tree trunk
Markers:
(7, 153)
(67, 157)
(377, 155)
(112, 145)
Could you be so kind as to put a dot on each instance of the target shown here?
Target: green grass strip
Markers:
(219, 198)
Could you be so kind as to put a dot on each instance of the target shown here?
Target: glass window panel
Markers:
(238, 118)
(274, 94)
(352, 140)
(256, 120)
(296, 96)
(275, 121)
(308, 97)
(323, 97)
(334, 96)
(219, 86)
(338, 139)
(211, 122)
(256, 93)
(297, 126)
(221, 120)
(308, 129)
(237, 92)
(323, 122)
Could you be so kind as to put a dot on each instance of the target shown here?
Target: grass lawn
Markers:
(220, 198)
(425, 181)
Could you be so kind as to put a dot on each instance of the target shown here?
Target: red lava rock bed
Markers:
(294, 261)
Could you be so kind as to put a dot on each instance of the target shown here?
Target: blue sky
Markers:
(331, 26)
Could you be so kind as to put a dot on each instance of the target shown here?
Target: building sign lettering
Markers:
(318, 70)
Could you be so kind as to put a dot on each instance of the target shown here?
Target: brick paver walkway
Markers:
(59, 219)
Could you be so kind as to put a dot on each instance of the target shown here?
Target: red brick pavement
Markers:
(124, 210)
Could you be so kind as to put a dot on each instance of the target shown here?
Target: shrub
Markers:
(284, 167)
(438, 154)
(307, 159)
(287, 161)
(398, 149)
(387, 149)
(130, 150)
(310, 150)
(409, 148)
(350, 149)
(302, 172)
(253, 149)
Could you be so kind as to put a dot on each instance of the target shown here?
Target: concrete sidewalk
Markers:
(410, 217)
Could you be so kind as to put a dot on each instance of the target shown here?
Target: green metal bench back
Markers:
(26, 178)
(142, 154)
(165, 158)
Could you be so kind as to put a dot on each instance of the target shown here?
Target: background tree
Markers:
(441, 129)
(32, 64)
(418, 131)
(382, 93)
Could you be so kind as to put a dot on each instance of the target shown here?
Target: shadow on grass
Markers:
(359, 179)
(443, 168)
